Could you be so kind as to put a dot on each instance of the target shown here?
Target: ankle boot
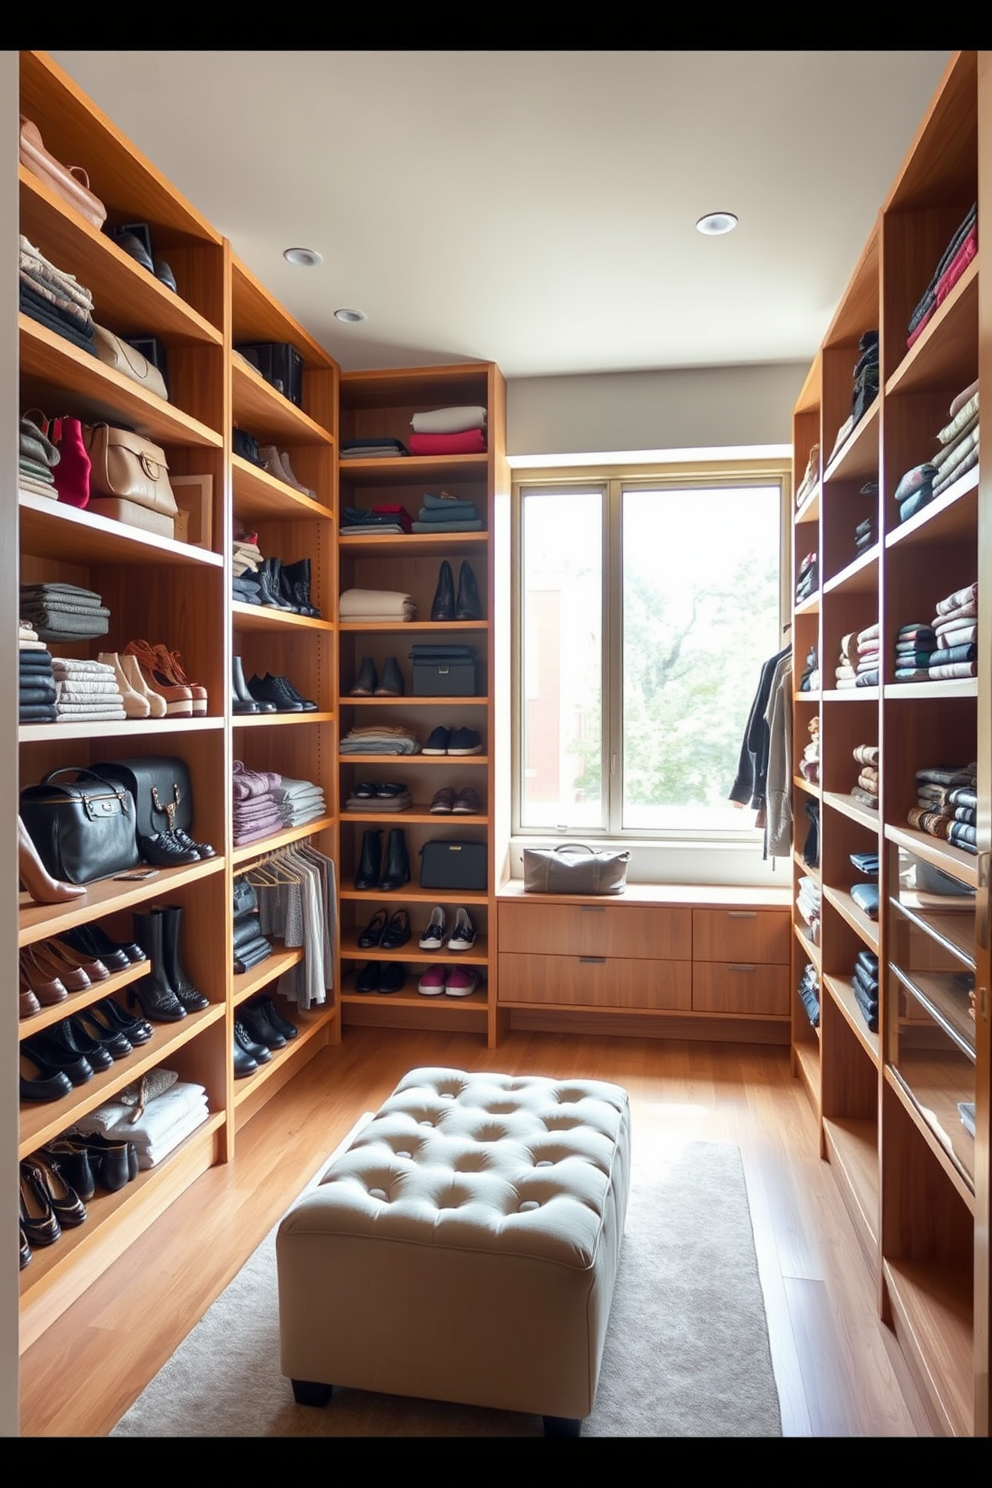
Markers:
(443, 607)
(153, 992)
(468, 606)
(396, 870)
(191, 997)
(367, 680)
(392, 679)
(241, 699)
(298, 574)
(367, 876)
(285, 587)
(269, 585)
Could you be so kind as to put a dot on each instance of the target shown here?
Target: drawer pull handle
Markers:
(741, 966)
(592, 960)
(593, 908)
(742, 914)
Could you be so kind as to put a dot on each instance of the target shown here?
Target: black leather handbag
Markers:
(453, 865)
(160, 787)
(83, 828)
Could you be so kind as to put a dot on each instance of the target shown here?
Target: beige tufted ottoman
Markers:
(464, 1248)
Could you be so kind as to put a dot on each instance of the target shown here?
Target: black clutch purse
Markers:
(83, 829)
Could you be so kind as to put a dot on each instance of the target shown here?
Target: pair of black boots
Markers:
(466, 604)
(286, 586)
(378, 871)
(166, 994)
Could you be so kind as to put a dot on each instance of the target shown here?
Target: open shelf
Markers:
(855, 917)
(856, 810)
(39, 921)
(51, 529)
(852, 1147)
(932, 1313)
(843, 995)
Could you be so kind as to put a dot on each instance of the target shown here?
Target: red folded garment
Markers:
(471, 442)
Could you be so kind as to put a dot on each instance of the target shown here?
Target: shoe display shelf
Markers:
(158, 588)
(915, 1179)
(291, 526)
(374, 403)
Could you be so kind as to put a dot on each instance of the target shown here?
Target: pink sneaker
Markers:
(432, 983)
(461, 981)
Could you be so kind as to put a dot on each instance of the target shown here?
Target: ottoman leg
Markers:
(311, 1392)
(559, 1425)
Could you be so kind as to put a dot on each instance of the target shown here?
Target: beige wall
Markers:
(696, 408)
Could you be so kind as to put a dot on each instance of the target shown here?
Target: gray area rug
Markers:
(686, 1353)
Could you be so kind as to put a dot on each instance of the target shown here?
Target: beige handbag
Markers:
(59, 177)
(128, 465)
(126, 359)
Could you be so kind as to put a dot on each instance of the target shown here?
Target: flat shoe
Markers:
(397, 932)
(372, 934)
(437, 928)
(467, 803)
(443, 802)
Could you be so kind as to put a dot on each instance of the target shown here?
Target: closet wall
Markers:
(889, 1085)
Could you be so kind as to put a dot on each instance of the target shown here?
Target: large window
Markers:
(647, 607)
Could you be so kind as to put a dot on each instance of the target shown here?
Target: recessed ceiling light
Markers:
(715, 223)
(304, 258)
(350, 317)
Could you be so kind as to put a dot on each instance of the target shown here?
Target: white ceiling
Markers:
(535, 209)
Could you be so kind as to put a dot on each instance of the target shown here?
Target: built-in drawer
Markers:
(594, 981)
(740, 935)
(632, 931)
(740, 987)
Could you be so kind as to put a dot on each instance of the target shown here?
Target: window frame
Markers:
(613, 479)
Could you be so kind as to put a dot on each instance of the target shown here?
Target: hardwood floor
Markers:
(838, 1370)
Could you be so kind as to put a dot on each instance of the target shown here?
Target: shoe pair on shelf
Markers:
(453, 741)
(450, 802)
(48, 1205)
(388, 931)
(278, 691)
(463, 932)
(167, 994)
(156, 673)
(368, 683)
(381, 976)
(173, 849)
(276, 463)
(383, 871)
(284, 586)
(451, 981)
(466, 604)
(50, 969)
(259, 1030)
(88, 1161)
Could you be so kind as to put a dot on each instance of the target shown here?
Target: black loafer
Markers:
(164, 273)
(392, 978)
(396, 933)
(367, 979)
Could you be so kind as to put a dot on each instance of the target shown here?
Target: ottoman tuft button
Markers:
(544, 1163)
(427, 1123)
(528, 1204)
(378, 1193)
(404, 1154)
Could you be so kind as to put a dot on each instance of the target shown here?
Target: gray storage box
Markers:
(454, 678)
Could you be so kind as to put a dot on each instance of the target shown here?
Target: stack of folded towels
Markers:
(36, 698)
(449, 431)
(37, 457)
(64, 612)
(156, 1128)
(866, 789)
(86, 692)
(380, 739)
(947, 804)
(868, 656)
(446, 513)
(953, 261)
(299, 801)
(389, 517)
(256, 811)
(376, 604)
(55, 299)
(808, 904)
(864, 984)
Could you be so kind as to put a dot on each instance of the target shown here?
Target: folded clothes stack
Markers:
(449, 431)
(256, 812)
(389, 517)
(446, 513)
(55, 299)
(37, 457)
(915, 644)
(812, 476)
(810, 679)
(953, 261)
(376, 604)
(387, 797)
(865, 387)
(380, 739)
(36, 694)
(808, 904)
(809, 993)
(955, 627)
(808, 580)
(864, 983)
(87, 692)
(300, 801)
(164, 1122)
(379, 447)
(846, 670)
(947, 804)
(64, 612)
(868, 656)
(957, 455)
(865, 790)
(866, 532)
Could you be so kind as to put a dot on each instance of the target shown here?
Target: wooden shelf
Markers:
(418, 812)
(856, 810)
(39, 921)
(810, 950)
(249, 983)
(953, 860)
(859, 577)
(416, 700)
(264, 412)
(50, 529)
(276, 720)
(423, 471)
(932, 1313)
(412, 954)
(265, 845)
(946, 1002)
(954, 930)
(951, 518)
(415, 999)
(260, 497)
(248, 617)
(410, 544)
(964, 687)
(852, 1147)
(843, 995)
(929, 1086)
(403, 762)
(449, 629)
(855, 917)
(77, 1001)
(129, 728)
(857, 459)
(312, 1030)
(100, 394)
(808, 1064)
(411, 895)
(948, 341)
(810, 509)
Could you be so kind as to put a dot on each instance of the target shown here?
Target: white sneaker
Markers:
(433, 937)
(463, 935)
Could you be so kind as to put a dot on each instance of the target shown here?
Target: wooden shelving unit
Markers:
(915, 1182)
